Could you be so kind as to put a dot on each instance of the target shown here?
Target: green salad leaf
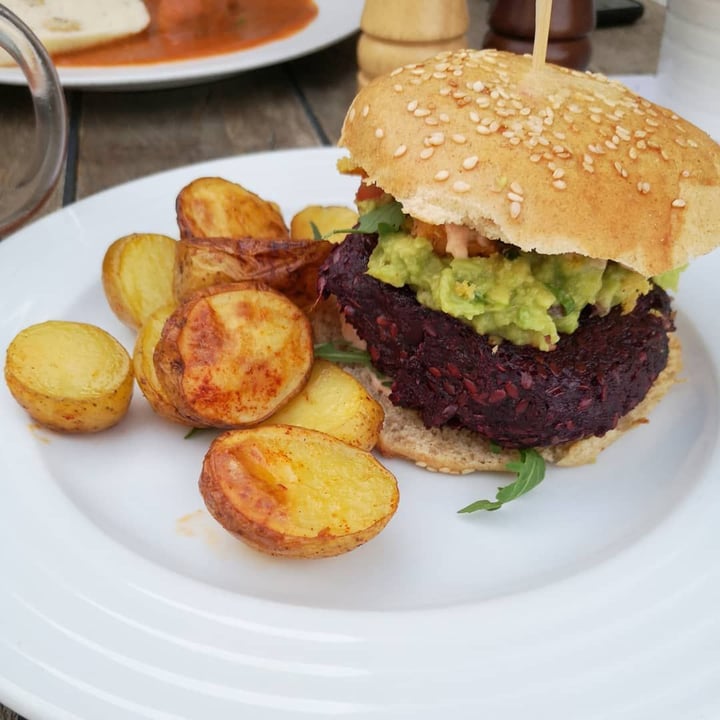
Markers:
(387, 217)
(530, 470)
(342, 355)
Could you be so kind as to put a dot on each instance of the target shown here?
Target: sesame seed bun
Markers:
(554, 160)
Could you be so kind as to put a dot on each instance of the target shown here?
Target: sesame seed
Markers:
(412, 106)
(379, 132)
(483, 129)
(588, 168)
(558, 173)
(442, 175)
(431, 121)
(535, 158)
(685, 173)
(365, 110)
(643, 187)
(483, 101)
(515, 208)
(427, 152)
(470, 162)
(444, 117)
(559, 184)
(398, 88)
(610, 145)
(422, 112)
(351, 114)
(515, 197)
(633, 153)
(516, 187)
(460, 186)
(478, 86)
(459, 138)
(400, 151)
(397, 71)
(692, 143)
(437, 138)
(474, 116)
(678, 203)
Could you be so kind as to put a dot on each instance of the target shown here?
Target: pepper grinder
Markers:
(512, 27)
(399, 32)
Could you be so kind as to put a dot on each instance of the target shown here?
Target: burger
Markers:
(520, 231)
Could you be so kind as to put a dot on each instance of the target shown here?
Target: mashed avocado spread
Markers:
(523, 297)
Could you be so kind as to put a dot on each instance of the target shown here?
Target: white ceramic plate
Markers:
(336, 20)
(595, 596)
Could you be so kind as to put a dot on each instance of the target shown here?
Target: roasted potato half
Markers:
(137, 276)
(292, 491)
(232, 355)
(69, 376)
(289, 266)
(334, 402)
(212, 207)
(144, 366)
(323, 219)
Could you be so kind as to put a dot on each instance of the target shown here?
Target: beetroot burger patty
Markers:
(517, 396)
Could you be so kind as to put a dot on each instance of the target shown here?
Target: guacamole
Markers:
(523, 297)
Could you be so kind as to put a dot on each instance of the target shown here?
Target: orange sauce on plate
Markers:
(190, 29)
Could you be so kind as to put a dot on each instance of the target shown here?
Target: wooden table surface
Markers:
(119, 136)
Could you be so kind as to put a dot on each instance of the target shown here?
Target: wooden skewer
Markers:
(543, 9)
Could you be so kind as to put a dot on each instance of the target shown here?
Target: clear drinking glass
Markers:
(689, 65)
(22, 196)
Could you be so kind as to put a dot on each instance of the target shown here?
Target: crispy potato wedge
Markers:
(323, 219)
(334, 402)
(144, 366)
(212, 207)
(69, 376)
(296, 492)
(231, 355)
(289, 266)
(137, 276)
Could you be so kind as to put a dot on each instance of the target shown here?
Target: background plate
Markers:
(593, 597)
(336, 20)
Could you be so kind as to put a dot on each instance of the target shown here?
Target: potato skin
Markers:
(233, 354)
(70, 377)
(137, 276)
(212, 207)
(295, 492)
(144, 366)
(290, 266)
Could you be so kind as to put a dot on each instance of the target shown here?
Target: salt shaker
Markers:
(399, 32)
(512, 27)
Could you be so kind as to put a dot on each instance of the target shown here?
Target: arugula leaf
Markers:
(381, 219)
(349, 355)
(317, 235)
(530, 469)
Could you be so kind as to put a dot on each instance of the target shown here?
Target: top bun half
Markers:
(552, 160)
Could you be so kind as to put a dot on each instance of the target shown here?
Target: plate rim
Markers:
(336, 20)
(378, 628)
